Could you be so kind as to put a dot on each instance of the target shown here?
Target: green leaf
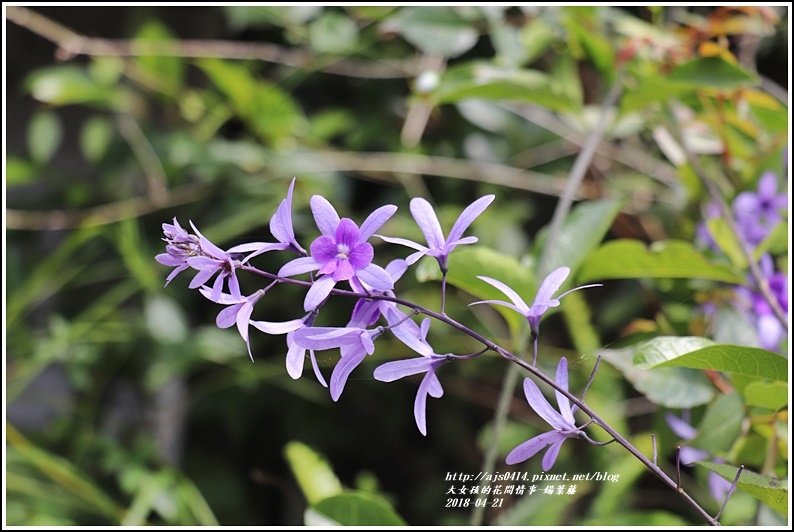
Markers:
(358, 508)
(771, 491)
(506, 40)
(670, 387)
(313, 473)
(706, 74)
(168, 71)
(64, 473)
(670, 259)
(65, 85)
(537, 36)
(333, 33)
(721, 425)
(727, 241)
(44, 136)
(165, 320)
(634, 519)
(19, 171)
(269, 111)
(775, 243)
(581, 233)
(466, 263)
(772, 395)
(436, 30)
(489, 82)
(702, 353)
(711, 73)
(95, 137)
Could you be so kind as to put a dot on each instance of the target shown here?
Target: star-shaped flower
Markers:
(281, 227)
(438, 246)
(544, 299)
(341, 253)
(415, 338)
(562, 422)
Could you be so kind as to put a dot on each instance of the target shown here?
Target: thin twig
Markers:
(577, 174)
(419, 109)
(500, 417)
(625, 153)
(592, 374)
(730, 491)
(153, 170)
(653, 440)
(117, 211)
(72, 44)
(482, 172)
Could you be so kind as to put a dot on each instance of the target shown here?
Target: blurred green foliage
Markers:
(127, 406)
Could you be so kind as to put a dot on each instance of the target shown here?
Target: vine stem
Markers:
(504, 353)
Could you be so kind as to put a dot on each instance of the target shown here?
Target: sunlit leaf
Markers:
(44, 136)
(581, 233)
(437, 30)
(772, 395)
(313, 473)
(64, 85)
(357, 508)
(671, 259)
(711, 73)
(167, 71)
(670, 387)
(485, 81)
(333, 33)
(701, 353)
(95, 137)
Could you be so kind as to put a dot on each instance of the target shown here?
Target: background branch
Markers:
(71, 44)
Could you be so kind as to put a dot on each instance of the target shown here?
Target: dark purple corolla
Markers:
(341, 253)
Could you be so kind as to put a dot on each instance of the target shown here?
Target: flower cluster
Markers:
(342, 253)
(757, 213)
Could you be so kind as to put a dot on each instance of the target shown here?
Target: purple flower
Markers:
(211, 261)
(718, 486)
(354, 344)
(415, 338)
(341, 253)
(281, 227)
(295, 353)
(563, 422)
(703, 236)
(367, 311)
(239, 311)
(757, 213)
(438, 246)
(770, 330)
(543, 300)
(180, 245)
